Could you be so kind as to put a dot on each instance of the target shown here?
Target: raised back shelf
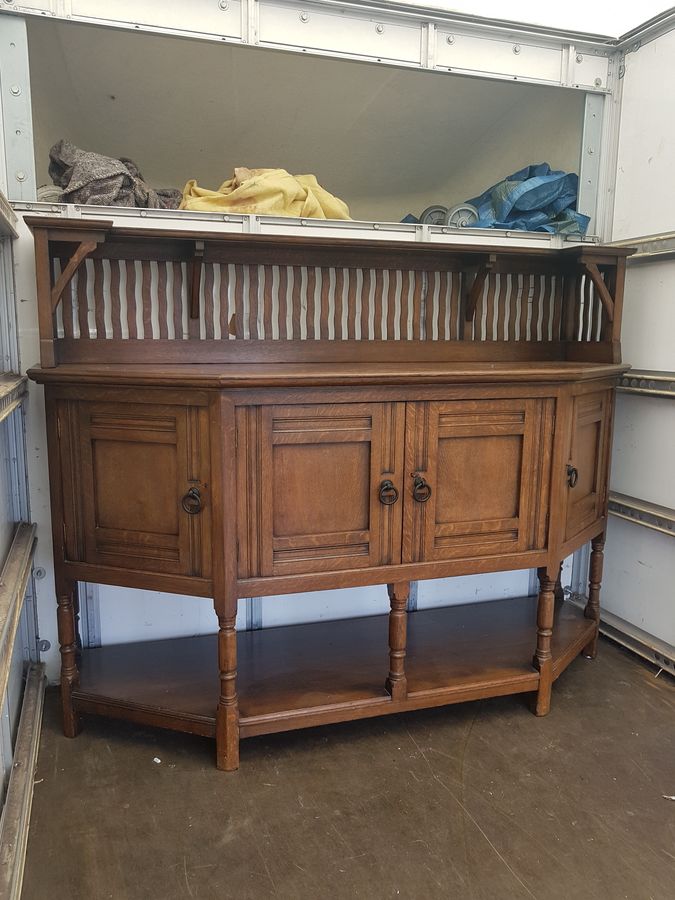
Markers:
(131, 295)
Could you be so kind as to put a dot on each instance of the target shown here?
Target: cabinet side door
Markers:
(138, 462)
(489, 473)
(588, 461)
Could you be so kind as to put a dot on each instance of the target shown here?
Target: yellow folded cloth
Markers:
(269, 192)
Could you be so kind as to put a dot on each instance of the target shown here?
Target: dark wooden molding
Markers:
(478, 284)
(84, 249)
(606, 298)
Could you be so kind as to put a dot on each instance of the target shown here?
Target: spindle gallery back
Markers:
(131, 295)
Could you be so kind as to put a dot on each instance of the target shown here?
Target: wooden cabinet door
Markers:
(138, 462)
(309, 481)
(487, 467)
(588, 461)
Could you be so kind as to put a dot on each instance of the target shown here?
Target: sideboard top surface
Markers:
(249, 375)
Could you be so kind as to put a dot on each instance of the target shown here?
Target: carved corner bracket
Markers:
(84, 249)
(593, 272)
(476, 289)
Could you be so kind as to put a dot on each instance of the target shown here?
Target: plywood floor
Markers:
(479, 801)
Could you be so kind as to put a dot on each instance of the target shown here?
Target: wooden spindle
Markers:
(66, 620)
(592, 610)
(227, 714)
(396, 683)
(543, 658)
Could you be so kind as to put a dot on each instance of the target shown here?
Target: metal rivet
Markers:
(580, 57)
(379, 29)
(20, 176)
(376, 226)
(516, 48)
(39, 573)
(304, 17)
(597, 82)
(15, 90)
(590, 151)
(43, 646)
(223, 5)
(450, 39)
(143, 213)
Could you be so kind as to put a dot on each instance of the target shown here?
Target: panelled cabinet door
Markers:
(478, 476)
(586, 471)
(318, 484)
(144, 492)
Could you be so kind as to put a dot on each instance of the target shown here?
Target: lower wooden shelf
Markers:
(302, 675)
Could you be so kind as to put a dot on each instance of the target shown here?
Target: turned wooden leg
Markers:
(592, 610)
(543, 659)
(558, 591)
(398, 619)
(227, 715)
(66, 598)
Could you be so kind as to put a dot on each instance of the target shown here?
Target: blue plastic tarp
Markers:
(535, 198)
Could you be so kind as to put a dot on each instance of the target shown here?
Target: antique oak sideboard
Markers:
(232, 416)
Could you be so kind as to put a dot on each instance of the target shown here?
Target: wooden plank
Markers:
(82, 304)
(99, 299)
(147, 352)
(131, 301)
(115, 300)
(209, 302)
(177, 269)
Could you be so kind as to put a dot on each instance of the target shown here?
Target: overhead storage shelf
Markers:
(379, 32)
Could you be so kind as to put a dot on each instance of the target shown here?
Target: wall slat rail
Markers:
(12, 392)
(642, 512)
(648, 383)
(19, 799)
(13, 582)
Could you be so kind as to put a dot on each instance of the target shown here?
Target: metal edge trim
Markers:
(642, 512)
(647, 382)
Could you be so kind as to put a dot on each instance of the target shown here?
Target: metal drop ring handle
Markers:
(388, 493)
(572, 476)
(192, 502)
(421, 489)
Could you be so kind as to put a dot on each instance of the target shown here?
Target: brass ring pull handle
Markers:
(572, 476)
(388, 493)
(421, 489)
(192, 502)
